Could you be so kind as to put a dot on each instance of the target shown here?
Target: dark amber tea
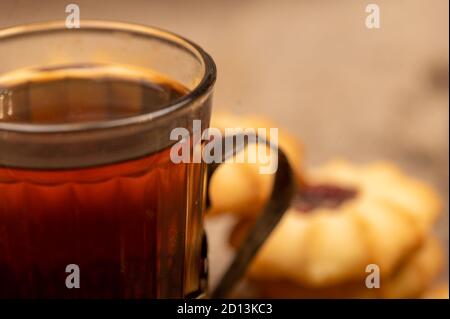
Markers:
(91, 204)
(131, 224)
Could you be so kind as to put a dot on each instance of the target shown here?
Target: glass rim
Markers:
(203, 87)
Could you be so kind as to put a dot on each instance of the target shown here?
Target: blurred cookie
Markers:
(240, 188)
(409, 281)
(417, 273)
(439, 292)
(348, 217)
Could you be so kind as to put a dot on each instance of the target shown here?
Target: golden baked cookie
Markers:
(239, 188)
(409, 281)
(438, 292)
(348, 217)
(417, 272)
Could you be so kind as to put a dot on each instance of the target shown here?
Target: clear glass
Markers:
(100, 194)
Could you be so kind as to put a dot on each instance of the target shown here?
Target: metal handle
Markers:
(279, 201)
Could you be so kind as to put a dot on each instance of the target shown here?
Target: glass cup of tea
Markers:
(91, 204)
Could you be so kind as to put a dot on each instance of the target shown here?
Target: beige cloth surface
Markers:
(314, 67)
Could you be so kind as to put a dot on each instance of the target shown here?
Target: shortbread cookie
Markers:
(415, 274)
(243, 188)
(348, 217)
(438, 292)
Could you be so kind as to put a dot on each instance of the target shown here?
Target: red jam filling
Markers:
(311, 197)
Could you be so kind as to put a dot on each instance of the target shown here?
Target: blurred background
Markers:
(313, 67)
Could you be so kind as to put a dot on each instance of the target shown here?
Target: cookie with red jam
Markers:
(345, 217)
